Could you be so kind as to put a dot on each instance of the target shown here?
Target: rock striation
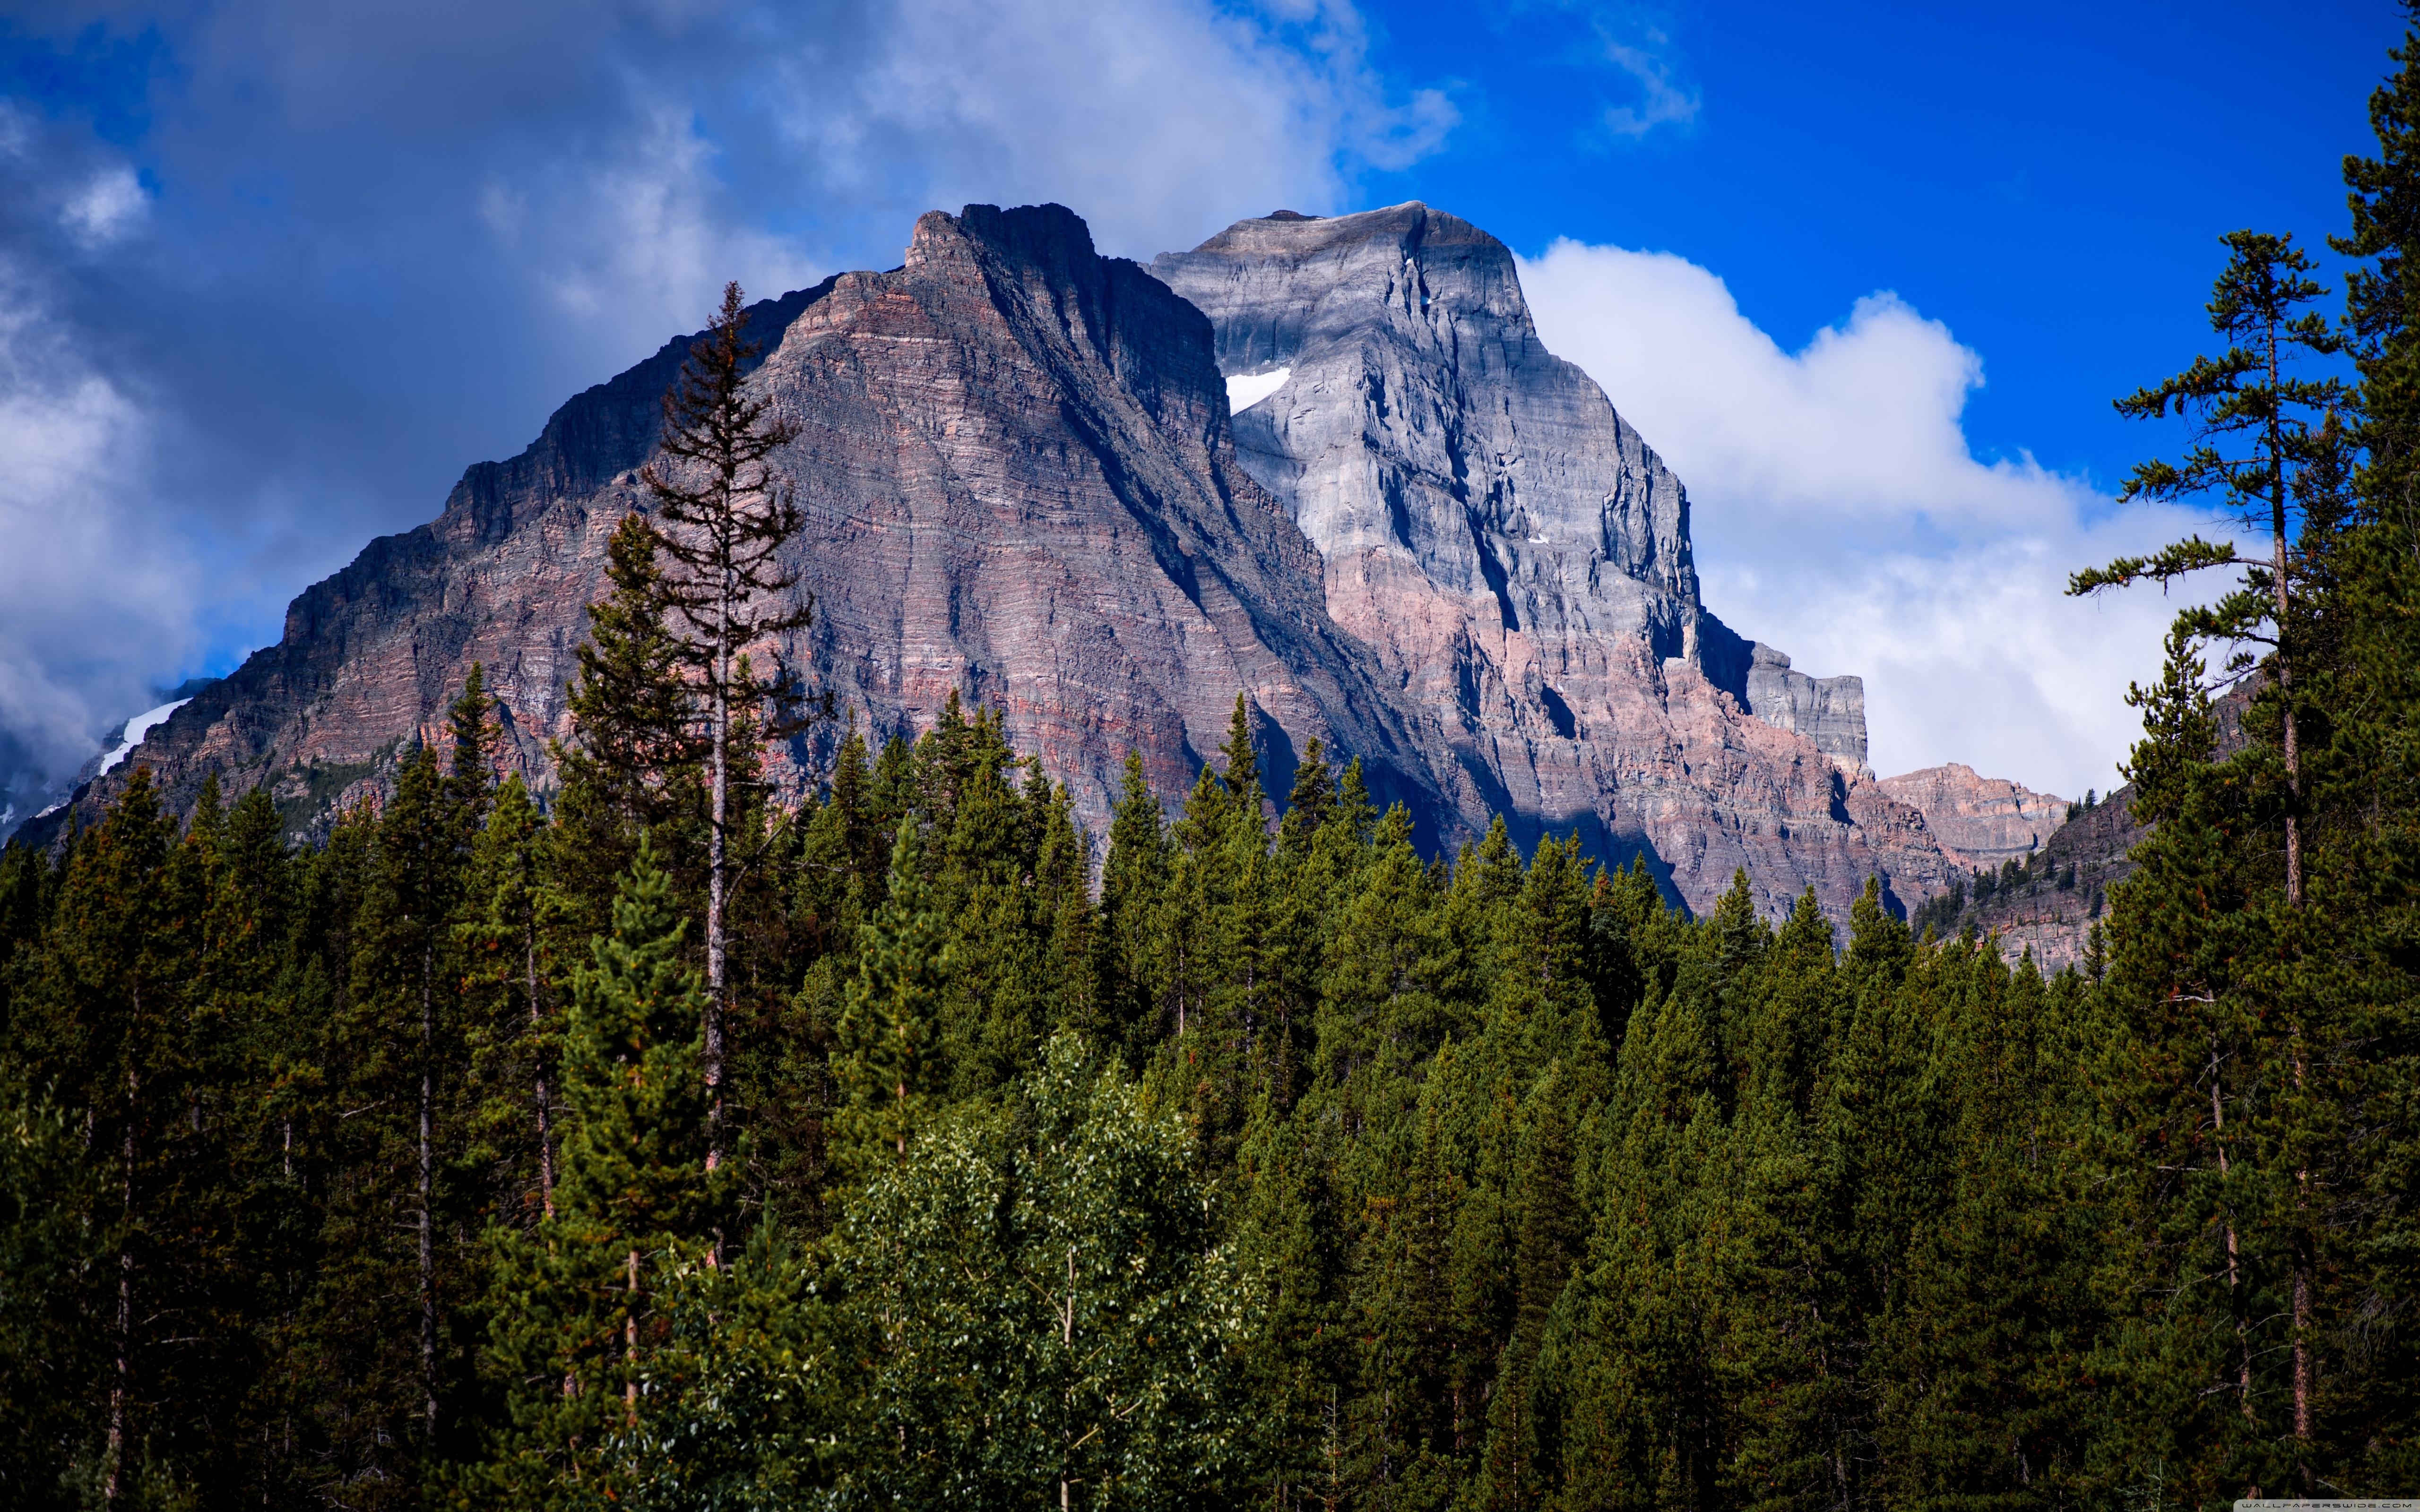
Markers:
(1518, 558)
(1986, 820)
(1019, 486)
(1427, 542)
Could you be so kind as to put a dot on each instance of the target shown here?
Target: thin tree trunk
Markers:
(2302, 1266)
(630, 1347)
(122, 1365)
(2292, 752)
(714, 884)
(545, 1123)
(2218, 1127)
(2285, 664)
(427, 1188)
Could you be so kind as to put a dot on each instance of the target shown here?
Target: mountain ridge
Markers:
(1025, 486)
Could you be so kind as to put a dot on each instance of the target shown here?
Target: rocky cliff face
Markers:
(1014, 463)
(1434, 546)
(1828, 711)
(1986, 820)
(1518, 558)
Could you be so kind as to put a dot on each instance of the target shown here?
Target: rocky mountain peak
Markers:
(1518, 557)
(1430, 544)
(1985, 820)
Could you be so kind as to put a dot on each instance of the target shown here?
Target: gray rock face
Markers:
(1829, 711)
(1519, 559)
(1424, 429)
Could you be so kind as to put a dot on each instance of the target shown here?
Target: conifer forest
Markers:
(652, 1142)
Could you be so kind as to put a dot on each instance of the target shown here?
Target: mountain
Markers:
(1429, 542)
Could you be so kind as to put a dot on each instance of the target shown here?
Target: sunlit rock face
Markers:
(1422, 540)
(1518, 558)
(1985, 820)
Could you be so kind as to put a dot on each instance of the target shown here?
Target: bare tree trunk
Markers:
(2292, 752)
(427, 1188)
(2303, 1352)
(545, 1121)
(122, 1365)
(630, 1347)
(714, 886)
(2218, 1127)
(2303, 1267)
(2278, 564)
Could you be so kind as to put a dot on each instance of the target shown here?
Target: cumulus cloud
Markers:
(1841, 515)
(299, 264)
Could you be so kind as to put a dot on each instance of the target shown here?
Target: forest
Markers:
(654, 1142)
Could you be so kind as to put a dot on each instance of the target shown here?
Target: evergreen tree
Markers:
(723, 513)
(883, 1068)
(571, 1302)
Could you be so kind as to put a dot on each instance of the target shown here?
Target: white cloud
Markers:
(639, 235)
(1159, 121)
(96, 600)
(105, 208)
(1841, 515)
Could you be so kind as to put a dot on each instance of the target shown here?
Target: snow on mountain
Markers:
(136, 728)
(1246, 389)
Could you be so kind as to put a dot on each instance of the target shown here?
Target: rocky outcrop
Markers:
(1986, 820)
(1518, 558)
(1433, 545)
(1828, 711)
(2044, 904)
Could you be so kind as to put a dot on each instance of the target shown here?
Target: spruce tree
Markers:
(885, 1046)
(571, 1298)
(724, 512)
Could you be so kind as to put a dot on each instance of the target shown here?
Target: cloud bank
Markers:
(1841, 515)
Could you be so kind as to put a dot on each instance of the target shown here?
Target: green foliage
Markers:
(1044, 1307)
(574, 1319)
(1283, 1164)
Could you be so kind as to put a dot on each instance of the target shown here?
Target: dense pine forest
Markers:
(663, 1145)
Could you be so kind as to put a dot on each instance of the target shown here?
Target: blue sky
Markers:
(273, 271)
(2049, 179)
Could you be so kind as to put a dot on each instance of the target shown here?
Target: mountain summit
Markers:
(1424, 540)
(1518, 560)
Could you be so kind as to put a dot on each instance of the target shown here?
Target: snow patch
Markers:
(136, 728)
(1246, 389)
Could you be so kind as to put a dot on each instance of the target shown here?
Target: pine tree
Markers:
(2248, 399)
(884, 1065)
(635, 761)
(573, 1324)
(723, 513)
